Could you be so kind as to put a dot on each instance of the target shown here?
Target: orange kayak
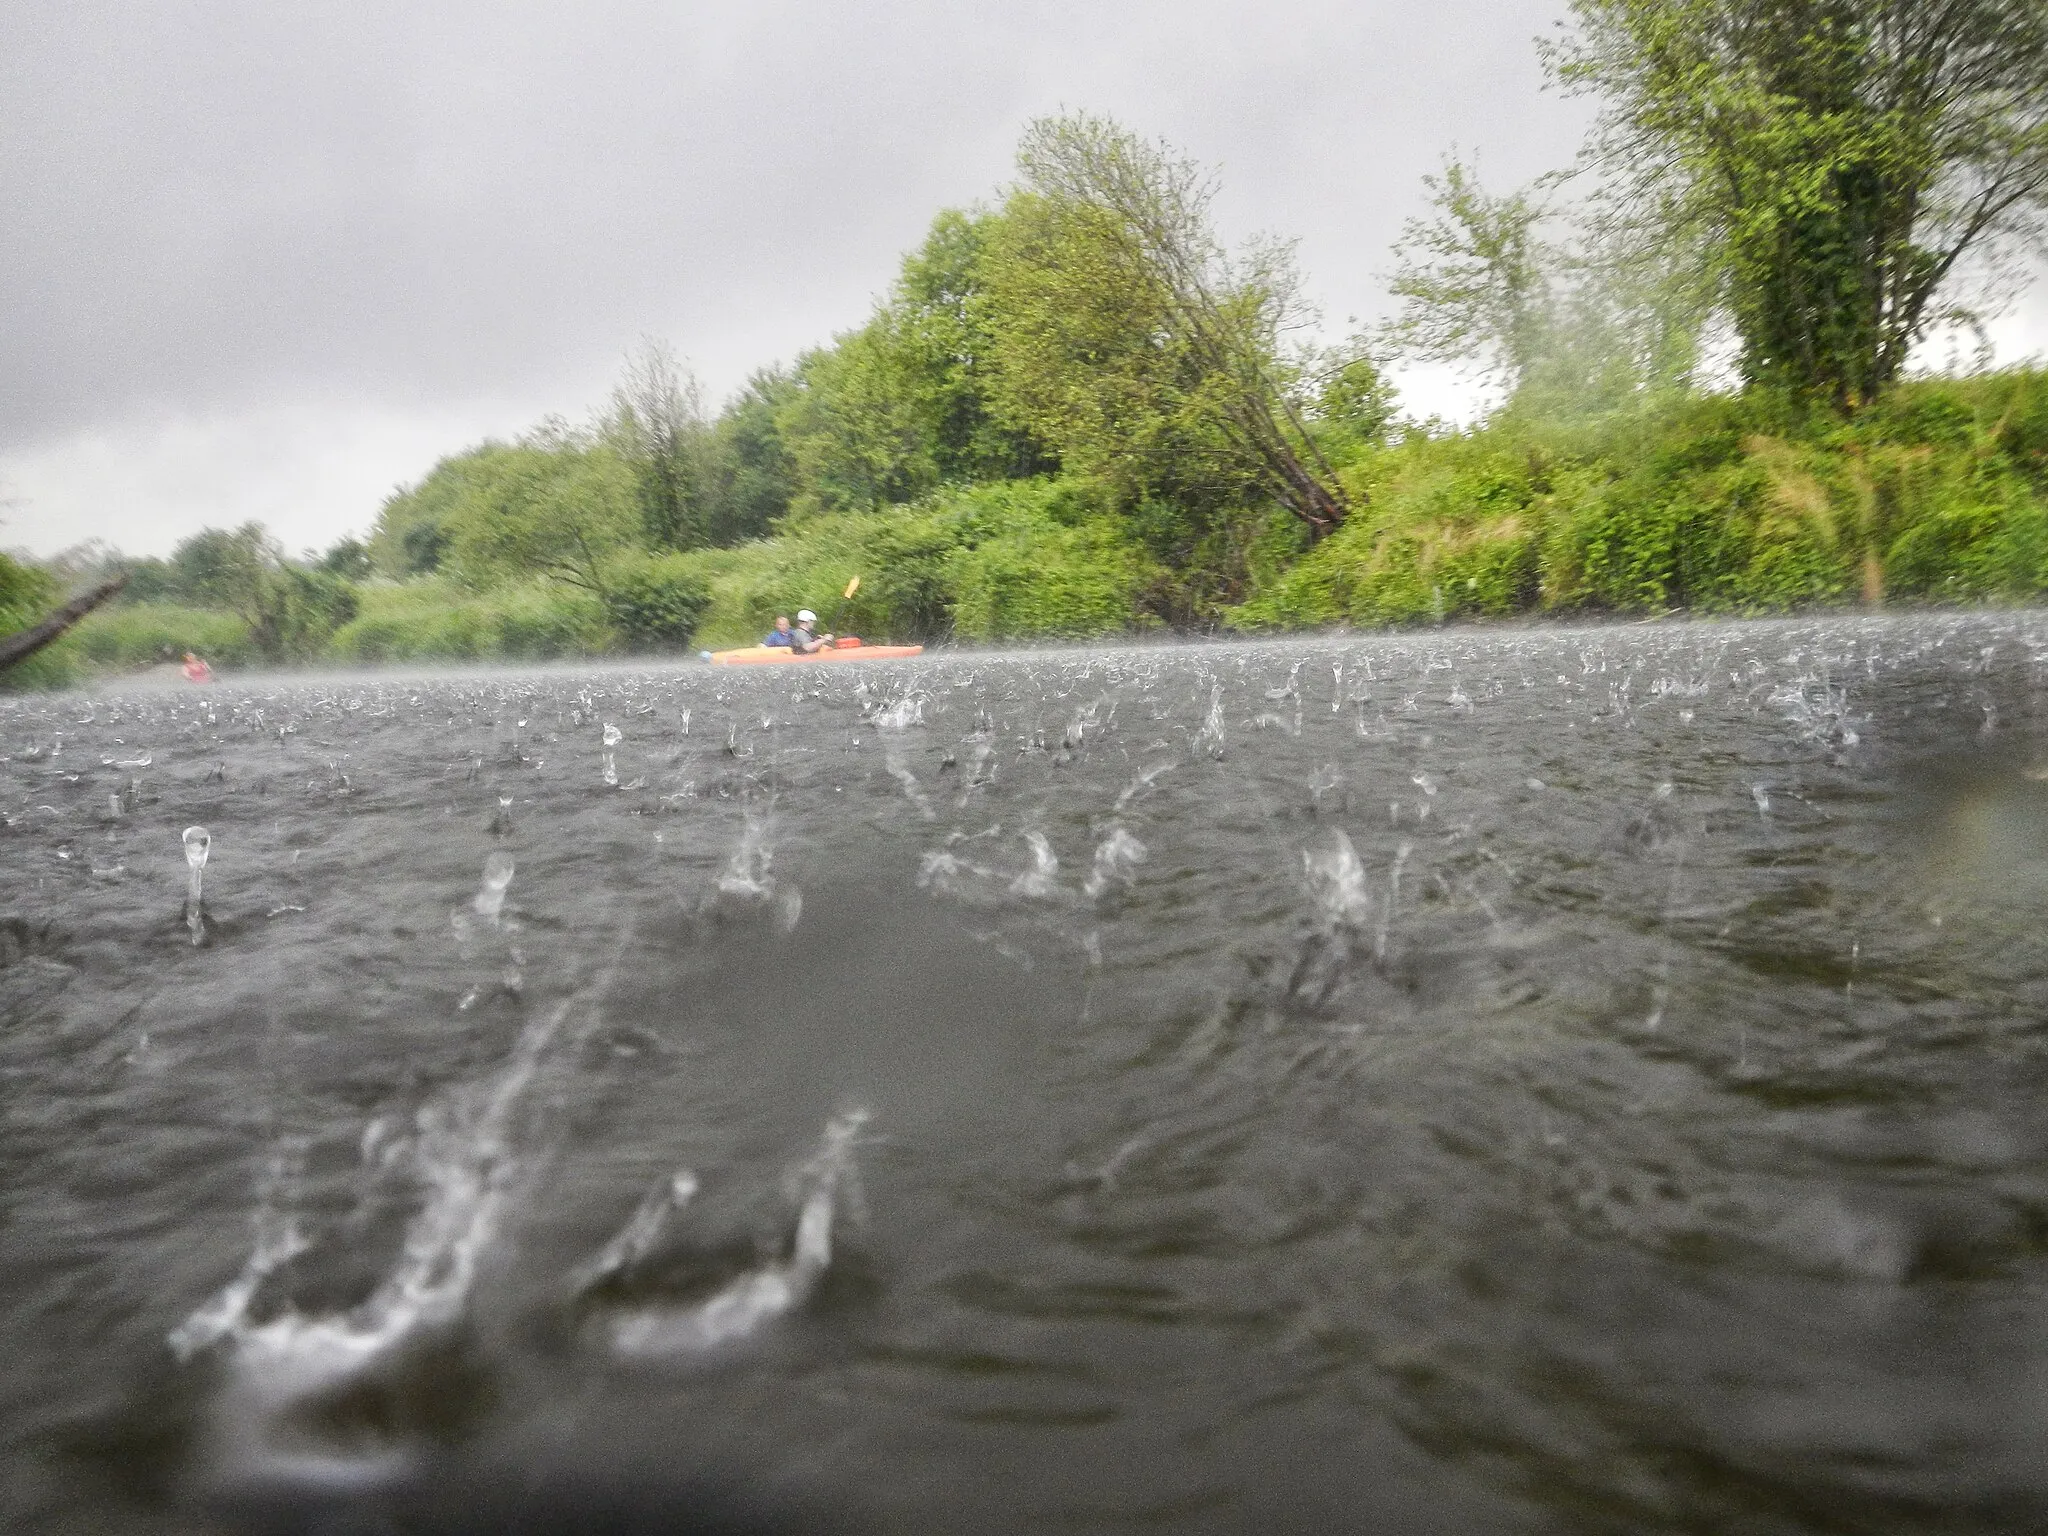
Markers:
(845, 649)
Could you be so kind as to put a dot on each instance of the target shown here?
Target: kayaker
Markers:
(802, 640)
(780, 634)
(197, 671)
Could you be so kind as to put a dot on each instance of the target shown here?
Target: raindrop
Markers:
(198, 844)
(490, 901)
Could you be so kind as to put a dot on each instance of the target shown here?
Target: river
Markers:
(1524, 1080)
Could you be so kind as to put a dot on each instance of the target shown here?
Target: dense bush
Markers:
(1718, 505)
(656, 603)
(1043, 561)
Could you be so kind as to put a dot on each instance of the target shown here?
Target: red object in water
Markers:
(197, 671)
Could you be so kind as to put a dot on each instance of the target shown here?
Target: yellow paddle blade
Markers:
(853, 586)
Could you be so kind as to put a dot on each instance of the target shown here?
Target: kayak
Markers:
(846, 649)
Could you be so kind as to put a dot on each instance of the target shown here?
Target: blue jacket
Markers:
(779, 637)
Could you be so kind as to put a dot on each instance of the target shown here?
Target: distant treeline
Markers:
(1076, 414)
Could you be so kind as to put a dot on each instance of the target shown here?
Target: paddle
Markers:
(845, 597)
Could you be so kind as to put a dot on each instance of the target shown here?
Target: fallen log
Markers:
(20, 646)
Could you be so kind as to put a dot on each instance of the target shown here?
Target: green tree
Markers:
(558, 503)
(1474, 280)
(410, 535)
(895, 409)
(1124, 333)
(943, 350)
(750, 476)
(349, 558)
(1609, 313)
(656, 424)
(852, 427)
(290, 610)
(1836, 159)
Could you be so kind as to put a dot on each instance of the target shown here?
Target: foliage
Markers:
(1127, 341)
(349, 559)
(1011, 559)
(1720, 505)
(432, 619)
(901, 406)
(27, 594)
(132, 637)
(1608, 317)
(750, 475)
(1030, 575)
(657, 426)
(557, 503)
(656, 603)
(1474, 281)
(1834, 159)
(289, 610)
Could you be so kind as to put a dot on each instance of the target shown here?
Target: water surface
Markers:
(1521, 1081)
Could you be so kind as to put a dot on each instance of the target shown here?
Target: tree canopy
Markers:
(1834, 161)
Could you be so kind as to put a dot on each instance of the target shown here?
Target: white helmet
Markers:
(805, 616)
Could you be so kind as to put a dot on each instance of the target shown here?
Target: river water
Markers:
(1521, 1081)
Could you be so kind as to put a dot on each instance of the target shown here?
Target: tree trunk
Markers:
(19, 647)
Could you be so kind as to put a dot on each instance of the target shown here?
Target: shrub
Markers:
(1722, 504)
(657, 603)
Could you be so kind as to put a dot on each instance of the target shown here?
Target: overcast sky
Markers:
(267, 261)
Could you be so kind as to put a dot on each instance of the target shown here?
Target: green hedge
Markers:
(657, 603)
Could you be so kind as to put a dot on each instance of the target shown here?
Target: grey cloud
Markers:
(216, 206)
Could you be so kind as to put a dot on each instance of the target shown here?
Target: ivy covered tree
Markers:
(1836, 161)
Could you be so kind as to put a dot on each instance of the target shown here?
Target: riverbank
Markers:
(1725, 505)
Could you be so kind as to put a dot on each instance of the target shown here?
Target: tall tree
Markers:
(289, 609)
(1123, 325)
(1474, 280)
(900, 406)
(1606, 312)
(1838, 158)
(656, 424)
(559, 503)
(752, 476)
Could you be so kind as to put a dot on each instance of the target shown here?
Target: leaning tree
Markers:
(1135, 301)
